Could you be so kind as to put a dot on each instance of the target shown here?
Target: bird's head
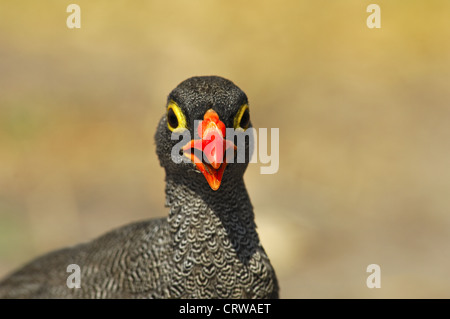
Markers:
(205, 126)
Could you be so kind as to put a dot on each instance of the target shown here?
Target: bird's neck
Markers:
(205, 216)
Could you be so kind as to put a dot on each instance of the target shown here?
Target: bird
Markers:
(207, 246)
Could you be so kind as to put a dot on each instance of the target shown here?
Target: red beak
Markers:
(212, 146)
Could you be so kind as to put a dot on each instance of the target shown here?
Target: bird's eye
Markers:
(242, 118)
(175, 117)
(172, 118)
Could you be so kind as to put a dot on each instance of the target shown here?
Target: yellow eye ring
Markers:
(242, 118)
(175, 117)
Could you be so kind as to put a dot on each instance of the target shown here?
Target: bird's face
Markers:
(204, 119)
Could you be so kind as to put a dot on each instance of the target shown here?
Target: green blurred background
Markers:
(363, 113)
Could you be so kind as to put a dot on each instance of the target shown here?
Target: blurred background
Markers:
(363, 114)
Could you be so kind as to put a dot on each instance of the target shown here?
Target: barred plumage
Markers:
(207, 247)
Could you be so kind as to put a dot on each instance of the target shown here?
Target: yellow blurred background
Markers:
(364, 121)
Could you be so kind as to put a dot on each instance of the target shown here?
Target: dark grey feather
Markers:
(207, 247)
